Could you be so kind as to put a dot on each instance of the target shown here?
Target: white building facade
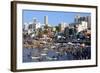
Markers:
(82, 26)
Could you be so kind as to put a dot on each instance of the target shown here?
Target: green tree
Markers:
(57, 28)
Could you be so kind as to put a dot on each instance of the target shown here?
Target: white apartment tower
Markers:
(46, 20)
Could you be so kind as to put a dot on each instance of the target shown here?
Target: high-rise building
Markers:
(62, 26)
(77, 19)
(89, 21)
(33, 26)
(80, 19)
(82, 26)
(83, 22)
(46, 20)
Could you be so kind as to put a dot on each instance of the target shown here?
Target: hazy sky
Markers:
(54, 18)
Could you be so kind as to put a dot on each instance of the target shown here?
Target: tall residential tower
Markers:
(46, 20)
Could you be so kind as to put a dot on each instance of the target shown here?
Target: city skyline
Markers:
(54, 17)
(54, 41)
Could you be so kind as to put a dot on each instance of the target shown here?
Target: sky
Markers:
(54, 17)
